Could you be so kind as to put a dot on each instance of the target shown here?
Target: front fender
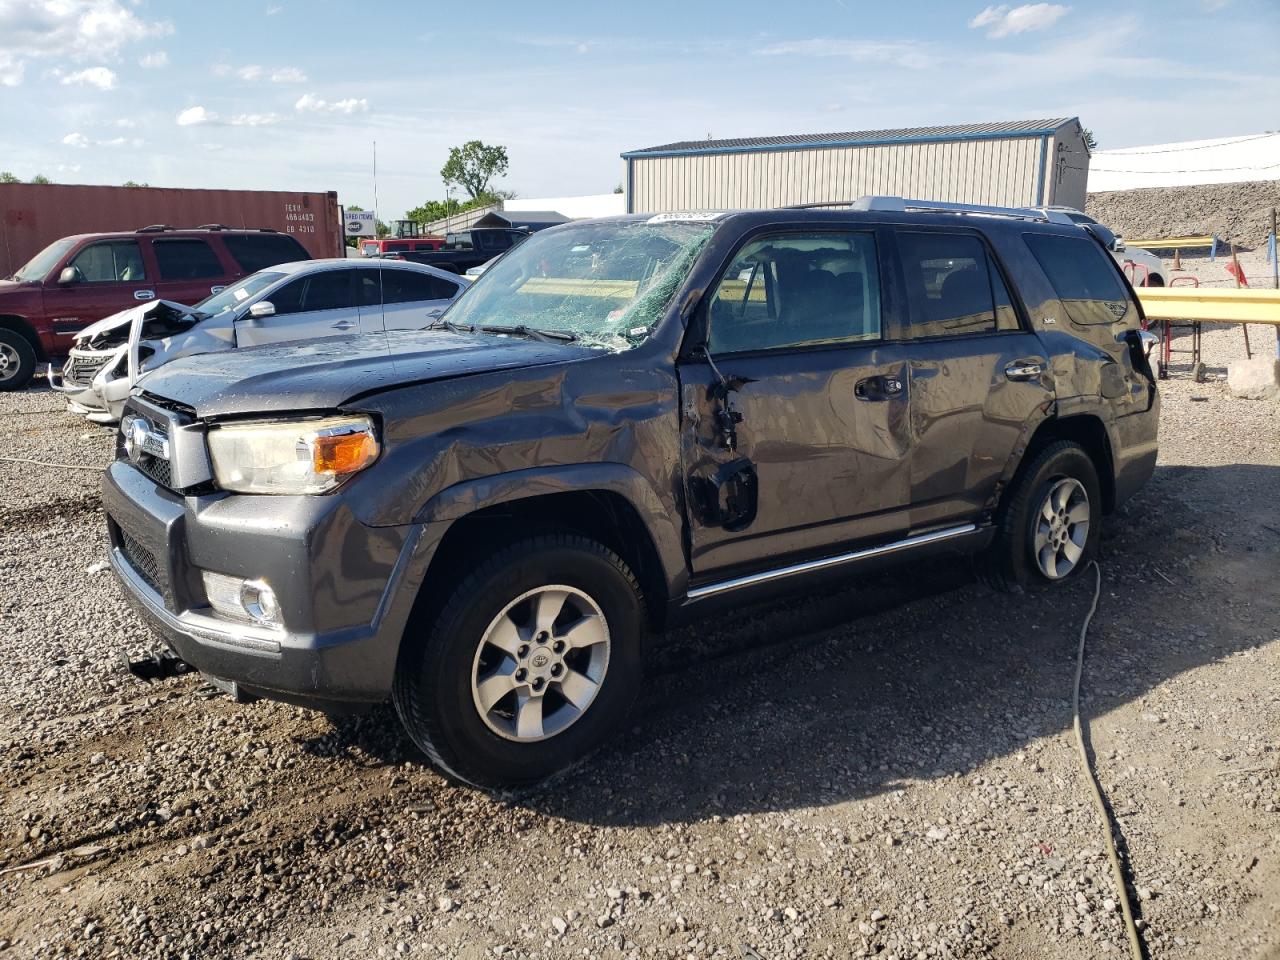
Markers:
(468, 496)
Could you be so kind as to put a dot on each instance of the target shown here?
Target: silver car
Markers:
(289, 301)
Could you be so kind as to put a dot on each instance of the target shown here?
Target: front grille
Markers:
(157, 468)
(82, 370)
(142, 560)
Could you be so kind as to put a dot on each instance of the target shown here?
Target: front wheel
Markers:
(17, 360)
(532, 664)
(1049, 523)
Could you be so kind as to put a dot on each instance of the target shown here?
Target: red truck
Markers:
(78, 280)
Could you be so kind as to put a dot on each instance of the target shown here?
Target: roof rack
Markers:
(154, 228)
(213, 226)
(902, 205)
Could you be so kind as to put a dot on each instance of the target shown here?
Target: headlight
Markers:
(306, 456)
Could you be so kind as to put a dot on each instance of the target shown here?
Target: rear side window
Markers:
(1084, 278)
(255, 253)
(493, 240)
(953, 287)
(112, 261)
(796, 290)
(186, 260)
(408, 286)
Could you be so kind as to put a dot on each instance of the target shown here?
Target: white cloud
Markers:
(274, 9)
(251, 72)
(99, 77)
(914, 56)
(195, 117)
(154, 60)
(1003, 21)
(126, 124)
(312, 104)
(253, 120)
(288, 75)
(70, 30)
(199, 117)
(79, 140)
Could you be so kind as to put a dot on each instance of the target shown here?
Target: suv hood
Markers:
(324, 374)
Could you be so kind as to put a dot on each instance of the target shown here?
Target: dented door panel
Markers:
(974, 399)
(830, 466)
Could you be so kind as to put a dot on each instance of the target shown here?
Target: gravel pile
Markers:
(883, 770)
(1234, 211)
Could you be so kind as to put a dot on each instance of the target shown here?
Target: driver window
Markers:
(796, 290)
(114, 261)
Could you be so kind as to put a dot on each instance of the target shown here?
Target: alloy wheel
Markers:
(541, 663)
(1061, 528)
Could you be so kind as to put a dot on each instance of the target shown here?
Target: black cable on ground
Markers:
(1117, 871)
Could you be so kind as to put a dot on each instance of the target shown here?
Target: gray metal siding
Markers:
(1068, 176)
(993, 171)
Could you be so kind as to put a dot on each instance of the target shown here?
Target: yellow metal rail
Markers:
(1173, 243)
(1211, 305)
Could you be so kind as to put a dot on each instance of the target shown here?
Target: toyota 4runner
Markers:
(625, 421)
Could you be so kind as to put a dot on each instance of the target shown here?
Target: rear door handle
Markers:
(144, 294)
(878, 388)
(343, 324)
(1024, 369)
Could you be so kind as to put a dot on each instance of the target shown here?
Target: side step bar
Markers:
(765, 576)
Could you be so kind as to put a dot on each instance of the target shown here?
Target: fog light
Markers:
(240, 599)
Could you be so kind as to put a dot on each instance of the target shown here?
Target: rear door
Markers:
(978, 378)
(317, 304)
(187, 269)
(410, 299)
(110, 275)
(794, 433)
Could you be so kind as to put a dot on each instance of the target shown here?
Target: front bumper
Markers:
(346, 590)
(101, 397)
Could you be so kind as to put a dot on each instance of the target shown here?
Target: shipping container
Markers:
(33, 215)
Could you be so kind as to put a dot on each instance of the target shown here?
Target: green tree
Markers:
(134, 183)
(40, 178)
(7, 177)
(1089, 140)
(472, 165)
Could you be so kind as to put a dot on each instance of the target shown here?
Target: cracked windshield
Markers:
(604, 284)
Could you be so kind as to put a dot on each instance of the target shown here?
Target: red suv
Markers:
(78, 280)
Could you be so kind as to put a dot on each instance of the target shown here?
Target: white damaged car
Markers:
(290, 301)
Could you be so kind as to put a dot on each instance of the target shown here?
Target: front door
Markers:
(109, 277)
(978, 378)
(317, 304)
(795, 417)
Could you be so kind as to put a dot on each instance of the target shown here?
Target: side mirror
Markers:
(262, 309)
(68, 275)
(1117, 245)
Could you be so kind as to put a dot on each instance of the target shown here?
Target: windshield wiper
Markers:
(450, 326)
(543, 336)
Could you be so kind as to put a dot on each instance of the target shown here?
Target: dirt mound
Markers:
(1234, 211)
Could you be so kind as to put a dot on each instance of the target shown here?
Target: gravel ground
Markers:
(885, 770)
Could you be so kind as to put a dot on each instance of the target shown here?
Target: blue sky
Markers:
(289, 95)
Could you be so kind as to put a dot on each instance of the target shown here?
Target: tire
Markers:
(1019, 556)
(440, 690)
(17, 360)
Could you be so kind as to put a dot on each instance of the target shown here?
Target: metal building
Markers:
(1022, 163)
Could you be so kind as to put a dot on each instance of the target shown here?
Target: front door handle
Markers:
(144, 294)
(343, 324)
(1024, 369)
(878, 388)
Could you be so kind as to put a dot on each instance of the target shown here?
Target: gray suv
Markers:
(624, 422)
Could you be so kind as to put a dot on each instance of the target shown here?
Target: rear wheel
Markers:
(532, 664)
(1049, 523)
(17, 360)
